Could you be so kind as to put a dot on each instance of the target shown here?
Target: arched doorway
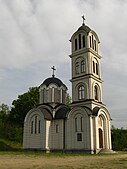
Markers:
(100, 138)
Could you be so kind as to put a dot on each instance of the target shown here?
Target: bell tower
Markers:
(85, 63)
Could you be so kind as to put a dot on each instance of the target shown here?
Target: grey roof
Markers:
(85, 28)
(55, 80)
(96, 110)
(47, 114)
(62, 112)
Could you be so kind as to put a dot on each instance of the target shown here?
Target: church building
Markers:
(84, 125)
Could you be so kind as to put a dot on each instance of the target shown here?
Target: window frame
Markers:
(81, 123)
(94, 67)
(32, 127)
(79, 136)
(80, 42)
(57, 128)
(96, 92)
(76, 44)
(83, 66)
(81, 92)
(97, 68)
(83, 41)
(39, 126)
(35, 125)
(77, 68)
(76, 124)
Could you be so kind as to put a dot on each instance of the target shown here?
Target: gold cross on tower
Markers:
(53, 68)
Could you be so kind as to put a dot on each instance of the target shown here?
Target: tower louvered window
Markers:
(83, 41)
(81, 92)
(82, 66)
(93, 67)
(97, 68)
(76, 44)
(79, 41)
(77, 68)
(96, 92)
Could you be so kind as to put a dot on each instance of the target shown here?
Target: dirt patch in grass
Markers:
(40, 161)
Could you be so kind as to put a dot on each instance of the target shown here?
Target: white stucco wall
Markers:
(72, 142)
(31, 139)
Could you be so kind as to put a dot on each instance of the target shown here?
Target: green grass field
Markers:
(11, 157)
(34, 160)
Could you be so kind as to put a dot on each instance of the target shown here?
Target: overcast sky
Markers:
(34, 35)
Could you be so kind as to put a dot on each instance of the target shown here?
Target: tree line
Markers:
(12, 120)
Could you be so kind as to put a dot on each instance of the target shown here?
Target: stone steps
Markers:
(106, 151)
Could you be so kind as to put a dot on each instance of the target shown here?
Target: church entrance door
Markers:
(100, 138)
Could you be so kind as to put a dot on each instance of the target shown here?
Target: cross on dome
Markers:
(53, 68)
(83, 19)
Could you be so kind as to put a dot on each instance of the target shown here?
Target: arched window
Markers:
(93, 67)
(81, 123)
(75, 44)
(97, 68)
(95, 46)
(100, 121)
(81, 92)
(35, 124)
(83, 40)
(90, 42)
(95, 92)
(39, 126)
(57, 128)
(76, 125)
(53, 94)
(79, 37)
(82, 66)
(77, 68)
(32, 127)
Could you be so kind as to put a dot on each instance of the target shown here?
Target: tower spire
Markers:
(53, 68)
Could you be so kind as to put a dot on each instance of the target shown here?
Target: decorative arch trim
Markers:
(62, 112)
(95, 66)
(81, 90)
(80, 65)
(96, 36)
(86, 111)
(96, 92)
(40, 111)
(98, 111)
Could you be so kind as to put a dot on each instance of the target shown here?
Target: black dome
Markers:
(85, 28)
(55, 80)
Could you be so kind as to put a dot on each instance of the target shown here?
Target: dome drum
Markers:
(52, 90)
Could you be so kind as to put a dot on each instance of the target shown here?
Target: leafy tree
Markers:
(23, 104)
(68, 99)
(4, 110)
(119, 138)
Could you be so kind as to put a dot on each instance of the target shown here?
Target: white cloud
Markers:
(34, 35)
